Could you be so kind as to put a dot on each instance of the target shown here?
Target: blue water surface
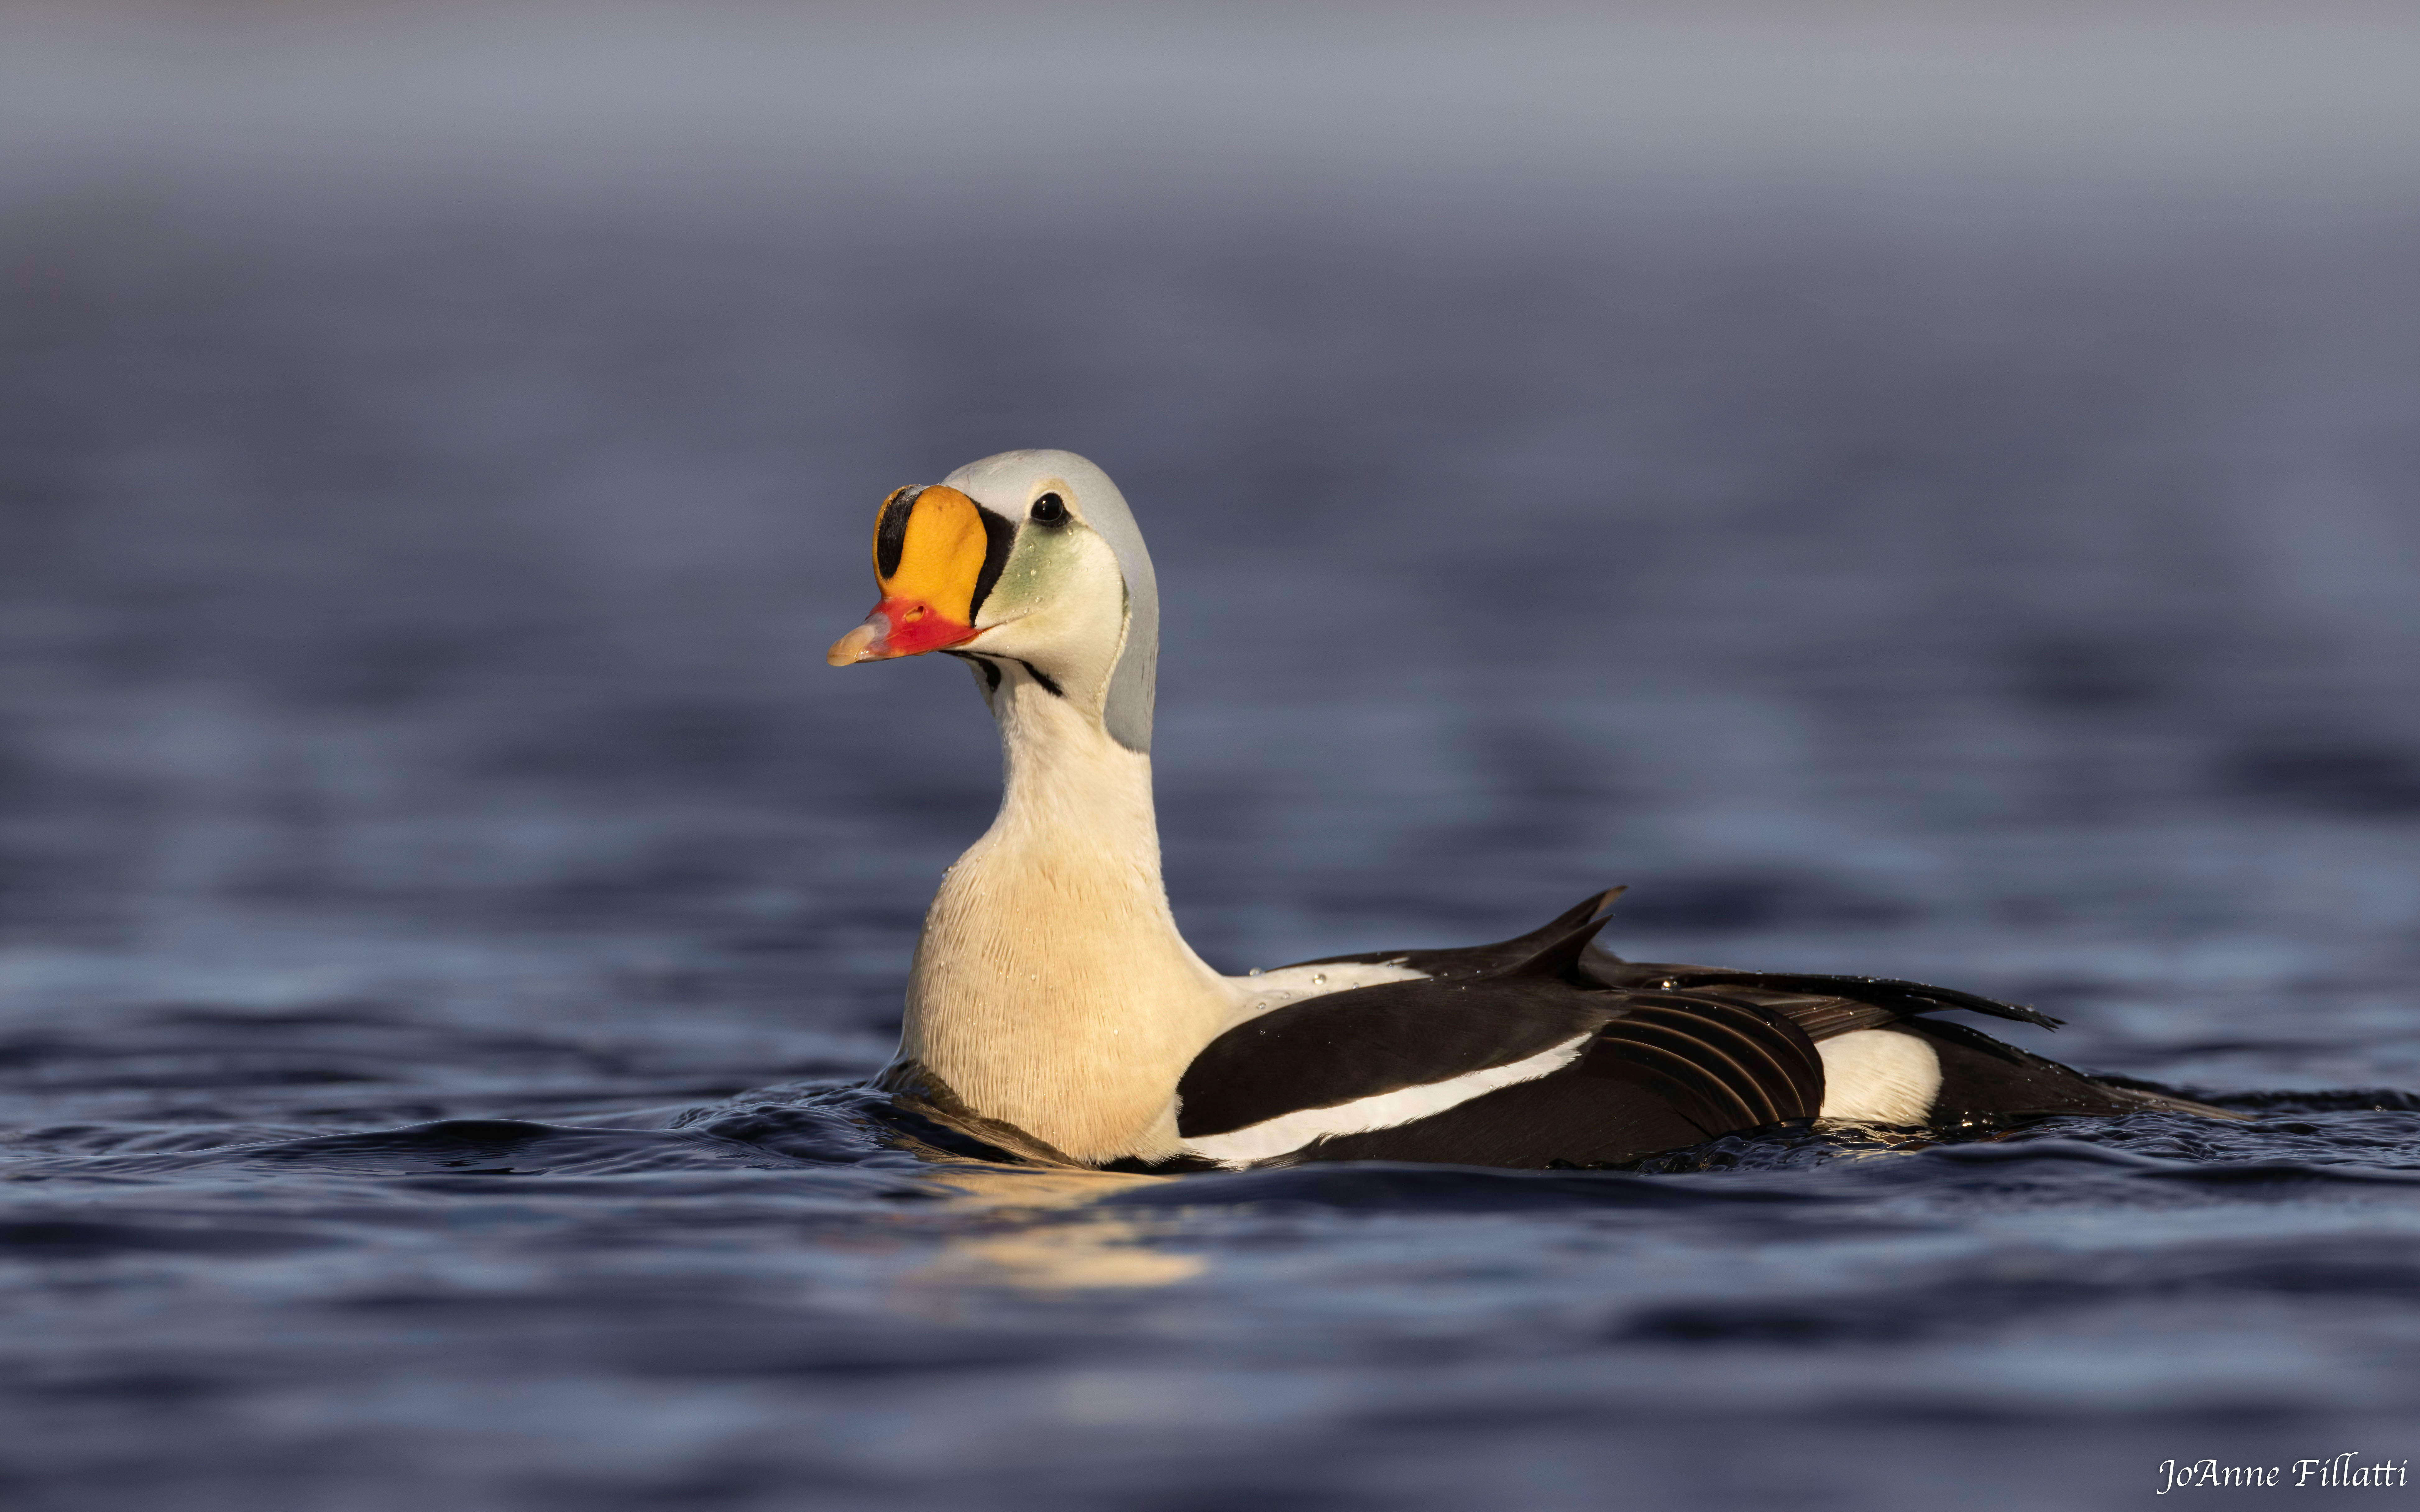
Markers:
(446, 906)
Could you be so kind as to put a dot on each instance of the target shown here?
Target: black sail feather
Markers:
(1473, 960)
(1558, 955)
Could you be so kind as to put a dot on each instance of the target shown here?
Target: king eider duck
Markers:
(1054, 1008)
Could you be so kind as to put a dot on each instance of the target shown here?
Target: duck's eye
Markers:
(1049, 509)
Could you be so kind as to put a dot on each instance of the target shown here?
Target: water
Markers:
(445, 903)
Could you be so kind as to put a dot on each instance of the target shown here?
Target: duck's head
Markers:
(1024, 560)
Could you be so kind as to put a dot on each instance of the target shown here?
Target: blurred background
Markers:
(1923, 490)
(1918, 490)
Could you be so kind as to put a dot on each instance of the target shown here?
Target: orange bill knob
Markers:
(935, 555)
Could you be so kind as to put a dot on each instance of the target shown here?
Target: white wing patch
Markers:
(1879, 1077)
(1289, 1131)
(1256, 995)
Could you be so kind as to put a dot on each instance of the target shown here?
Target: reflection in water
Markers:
(1063, 1258)
(1045, 1250)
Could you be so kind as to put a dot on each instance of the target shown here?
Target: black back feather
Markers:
(1725, 1065)
(1906, 997)
(1366, 1041)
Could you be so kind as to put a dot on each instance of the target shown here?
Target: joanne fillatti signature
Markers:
(2340, 1471)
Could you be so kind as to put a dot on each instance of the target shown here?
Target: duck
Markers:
(1054, 1010)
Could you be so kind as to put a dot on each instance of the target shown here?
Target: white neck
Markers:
(1051, 989)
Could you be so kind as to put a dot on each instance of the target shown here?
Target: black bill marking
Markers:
(999, 536)
(891, 531)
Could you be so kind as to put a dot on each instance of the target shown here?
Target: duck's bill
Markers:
(936, 554)
(898, 628)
